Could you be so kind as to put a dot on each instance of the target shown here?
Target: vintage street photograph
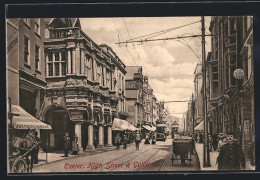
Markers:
(130, 94)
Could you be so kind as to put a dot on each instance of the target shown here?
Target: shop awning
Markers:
(200, 127)
(121, 125)
(25, 120)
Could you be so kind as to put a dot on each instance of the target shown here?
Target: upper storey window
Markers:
(56, 63)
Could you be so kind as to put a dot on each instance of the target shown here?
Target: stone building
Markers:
(85, 86)
(134, 101)
(198, 95)
(231, 99)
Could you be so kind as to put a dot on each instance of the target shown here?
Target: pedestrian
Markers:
(153, 140)
(37, 148)
(251, 153)
(125, 141)
(147, 140)
(210, 143)
(75, 146)
(66, 144)
(196, 137)
(117, 141)
(215, 141)
(200, 138)
(231, 156)
(222, 141)
(137, 140)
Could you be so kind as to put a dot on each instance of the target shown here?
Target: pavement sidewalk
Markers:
(45, 158)
(213, 159)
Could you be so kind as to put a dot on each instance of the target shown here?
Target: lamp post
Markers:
(206, 156)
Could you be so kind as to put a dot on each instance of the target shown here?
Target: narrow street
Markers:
(147, 158)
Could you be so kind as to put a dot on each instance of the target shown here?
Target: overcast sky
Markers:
(169, 64)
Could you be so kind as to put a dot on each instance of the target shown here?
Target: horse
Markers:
(26, 146)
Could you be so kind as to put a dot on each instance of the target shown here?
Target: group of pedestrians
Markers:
(127, 140)
(74, 146)
(231, 155)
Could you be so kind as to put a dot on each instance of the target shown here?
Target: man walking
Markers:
(137, 140)
(231, 156)
(66, 144)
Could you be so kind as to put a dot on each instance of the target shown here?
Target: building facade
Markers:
(85, 87)
(231, 100)
(198, 95)
(25, 63)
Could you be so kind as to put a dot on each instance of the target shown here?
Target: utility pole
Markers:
(193, 114)
(206, 156)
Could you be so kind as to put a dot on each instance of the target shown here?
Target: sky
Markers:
(169, 64)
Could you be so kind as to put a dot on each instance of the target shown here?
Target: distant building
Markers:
(198, 95)
(134, 101)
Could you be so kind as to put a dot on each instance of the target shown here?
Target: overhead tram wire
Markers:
(123, 40)
(165, 31)
(136, 51)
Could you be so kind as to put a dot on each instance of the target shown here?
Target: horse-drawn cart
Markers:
(182, 150)
(22, 148)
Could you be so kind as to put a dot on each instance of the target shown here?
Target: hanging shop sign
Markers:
(238, 74)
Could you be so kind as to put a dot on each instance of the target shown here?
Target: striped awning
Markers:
(26, 121)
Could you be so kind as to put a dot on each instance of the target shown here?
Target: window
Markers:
(26, 50)
(57, 63)
(216, 47)
(230, 68)
(98, 74)
(37, 58)
(214, 70)
(245, 64)
(37, 25)
(108, 79)
(26, 21)
(247, 21)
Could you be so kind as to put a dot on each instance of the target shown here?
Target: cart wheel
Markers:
(19, 166)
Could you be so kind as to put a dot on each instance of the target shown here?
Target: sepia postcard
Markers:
(130, 94)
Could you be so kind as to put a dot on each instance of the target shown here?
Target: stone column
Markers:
(78, 134)
(69, 62)
(77, 60)
(101, 145)
(73, 62)
(109, 138)
(90, 146)
(82, 59)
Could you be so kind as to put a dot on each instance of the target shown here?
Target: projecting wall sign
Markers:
(238, 74)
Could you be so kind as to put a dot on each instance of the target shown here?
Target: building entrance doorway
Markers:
(60, 122)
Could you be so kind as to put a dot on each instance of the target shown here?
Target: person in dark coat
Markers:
(231, 156)
(215, 141)
(118, 141)
(251, 153)
(200, 138)
(153, 139)
(66, 144)
(196, 137)
(125, 140)
(147, 139)
(36, 151)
